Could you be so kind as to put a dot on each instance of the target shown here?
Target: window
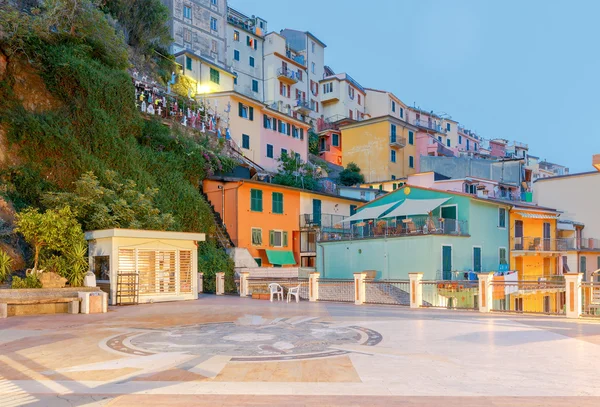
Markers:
(467, 144)
(102, 267)
(187, 35)
(278, 238)
(411, 137)
(214, 75)
(439, 138)
(270, 150)
(235, 78)
(583, 267)
(284, 128)
(411, 161)
(246, 141)
(284, 90)
(283, 152)
(188, 63)
(277, 205)
(358, 102)
(256, 200)
(213, 24)
(459, 139)
(393, 156)
(475, 146)
(213, 2)
(502, 218)
(254, 85)
(447, 126)
(328, 87)
(236, 35)
(448, 142)
(335, 140)
(251, 61)
(247, 112)
(299, 74)
(312, 67)
(393, 106)
(351, 92)
(393, 177)
(392, 133)
(236, 55)
(187, 12)
(401, 113)
(312, 47)
(394, 186)
(350, 114)
(502, 255)
(256, 236)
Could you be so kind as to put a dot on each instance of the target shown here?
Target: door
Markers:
(477, 259)
(547, 246)
(317, 211)
(518, 235)
(447, 262)
(449, 214)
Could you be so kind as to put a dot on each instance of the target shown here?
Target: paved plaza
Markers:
(237, 351)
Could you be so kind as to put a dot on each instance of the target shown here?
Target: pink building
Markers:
(428, 144)
(498, 147)
(282, 134)
(483, 188)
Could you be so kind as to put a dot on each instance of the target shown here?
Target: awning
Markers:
(280, 257)
(369, 213)
(416, 207)
(536, 215)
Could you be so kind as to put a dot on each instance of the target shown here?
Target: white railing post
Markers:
(244, 289)
(220, 283)
(416, 289)
(573, 295)
(313, 286)
(485, 291)
(360, 288)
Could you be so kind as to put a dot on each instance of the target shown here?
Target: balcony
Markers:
(429, 126)
(417, 225)
(397, 142)
(582, 244)
(287, 75)
(323, 221)
(538, 245)
(303, 106)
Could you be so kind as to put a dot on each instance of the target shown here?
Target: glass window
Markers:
(102, 267)
(256, 200)
(251, 61)
(246, 141)
(448, 142)
(277, 202)
(213, 24)
(270, 150)
(236, 55)
(335, 140)
(256, 236)
(214, 75)
(283, 152)
(187, 12)
(411, 161)
(393, 106)
(188, 63)
(448, 126)
(393, 156)
(254, 85)
(401, 112)
(502, 256)
(312, 67)
(236, 35)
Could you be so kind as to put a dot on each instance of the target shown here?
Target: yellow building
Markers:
(201, 77)
(386, 186)
(383, 147)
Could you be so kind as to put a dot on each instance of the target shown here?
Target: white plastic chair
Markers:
(295, 291)
(276, 289)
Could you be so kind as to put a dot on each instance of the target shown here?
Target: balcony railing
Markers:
(539, 244)
(413, 226)
(323, 221)
(287, 75)
(429, 125)
(303, 105)
(582, 243)
(397, 141)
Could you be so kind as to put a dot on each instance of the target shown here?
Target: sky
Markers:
(524, 70)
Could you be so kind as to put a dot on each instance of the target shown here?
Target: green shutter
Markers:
(277, 202)
(411, 138)
(301, 134)
(288, 129)
(265, 124)
(256, 200)
(285, 239)
(271, 238)
(251, 113)
(240, 108)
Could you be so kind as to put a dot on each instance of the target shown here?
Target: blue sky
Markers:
(522, 70)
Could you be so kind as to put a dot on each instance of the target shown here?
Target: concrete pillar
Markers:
(485, 291)
(244, 289)
(416, 289)
(3, 310)
(360, 288)
(104, 302)
(220, 283)
(313, 286)
(73, 307)
(200, 282)
(84, 298)
(573, 294)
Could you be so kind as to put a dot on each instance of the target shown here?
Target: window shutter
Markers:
(279, 126)
(281, 88)
(271, 238)
(251, 113)
(288, 129)
(255, 42)
(285, 237)
(274, 124)
(265, 121)
(240, 107)
(301, 134)
(247, 40)
(288, 91)
(294, 131)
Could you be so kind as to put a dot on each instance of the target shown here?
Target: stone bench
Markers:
(16, 302)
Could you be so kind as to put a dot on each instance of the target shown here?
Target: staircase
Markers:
(220, 232)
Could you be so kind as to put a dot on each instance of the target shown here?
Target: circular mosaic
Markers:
(270, 340)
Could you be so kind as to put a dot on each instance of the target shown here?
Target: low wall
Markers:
(286, 272)
(32, 294)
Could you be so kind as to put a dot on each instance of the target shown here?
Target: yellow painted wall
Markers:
(368, 145)
(531, 266)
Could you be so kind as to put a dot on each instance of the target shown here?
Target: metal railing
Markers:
(260, 285)
(590, 301)
(337, 290)
(323, 221)
(304, 104)
(413, 226)
(538, 297)
(439, 147)
(538, 244)
(450, 294)
(574, 243)
(429, 125)
(392, 292)
(398, 141)
(288, 73)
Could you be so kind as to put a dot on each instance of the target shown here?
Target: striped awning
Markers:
(537, 215)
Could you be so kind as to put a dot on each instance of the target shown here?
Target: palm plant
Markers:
(5, 265)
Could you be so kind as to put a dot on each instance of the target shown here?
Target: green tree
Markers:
(211, 260)
(296, 173)
(52, 233)
(111, 204)
(313, 142)
(351, 175)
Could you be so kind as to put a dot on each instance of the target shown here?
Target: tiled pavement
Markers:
(232, 351)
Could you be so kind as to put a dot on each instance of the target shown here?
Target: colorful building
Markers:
(276, 224)
(386, 186)
(442, 234)
(202, 77)
(383, 147)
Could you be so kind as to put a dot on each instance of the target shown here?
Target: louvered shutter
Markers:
(251, 113)
(240, 108)
(271, 238)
